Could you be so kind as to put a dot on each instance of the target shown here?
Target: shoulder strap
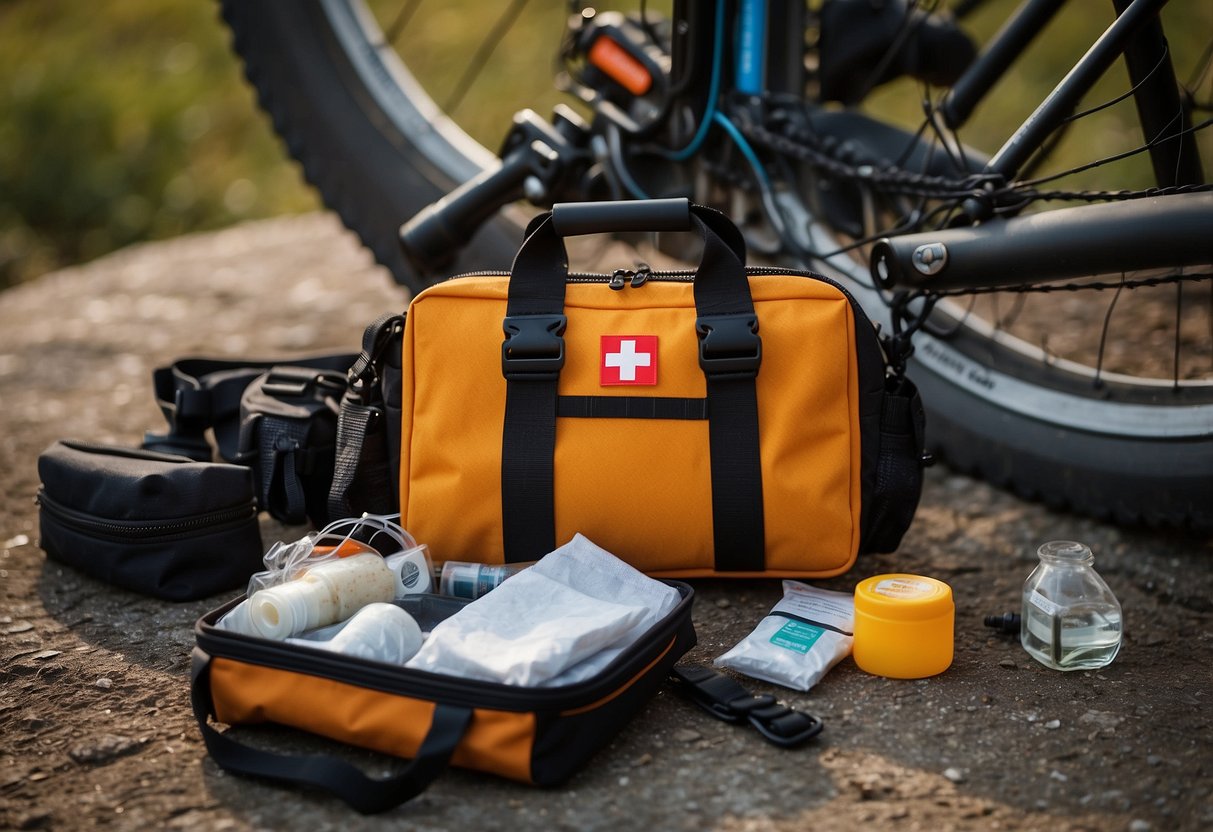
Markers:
(730, 353)
(195, 394)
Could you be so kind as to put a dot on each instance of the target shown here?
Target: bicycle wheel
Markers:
(367, 135)
(1131, 448)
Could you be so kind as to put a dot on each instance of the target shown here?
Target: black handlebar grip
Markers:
(433, 238)
(571, 219)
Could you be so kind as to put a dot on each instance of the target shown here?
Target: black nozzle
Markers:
(1008, 622)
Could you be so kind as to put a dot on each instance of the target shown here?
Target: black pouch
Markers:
(288, 434)
(899, 465)
(159, 524)
(277, 417)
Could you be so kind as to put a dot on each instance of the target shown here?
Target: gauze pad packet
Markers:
(803, 636)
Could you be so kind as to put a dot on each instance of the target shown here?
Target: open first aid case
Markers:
(536, 735)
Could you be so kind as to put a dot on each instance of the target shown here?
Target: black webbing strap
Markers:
(195, 394)
(730, 352)
(363, 793)
(728, 700)
(362, 472)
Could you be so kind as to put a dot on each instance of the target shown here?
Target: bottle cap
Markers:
(903, 626)
(281, 611)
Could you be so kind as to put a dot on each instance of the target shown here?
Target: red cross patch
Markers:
(628, 359)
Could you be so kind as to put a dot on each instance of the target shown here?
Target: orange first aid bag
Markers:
(726, 421)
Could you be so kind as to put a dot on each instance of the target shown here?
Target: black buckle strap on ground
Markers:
(728, 700)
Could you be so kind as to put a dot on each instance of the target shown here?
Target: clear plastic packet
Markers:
(285, 561)
(803, 636)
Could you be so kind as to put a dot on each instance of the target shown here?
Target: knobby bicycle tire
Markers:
(379, 150)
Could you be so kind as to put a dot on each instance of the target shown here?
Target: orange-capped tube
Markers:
(344, 549)
(904, 626)
(621, 67)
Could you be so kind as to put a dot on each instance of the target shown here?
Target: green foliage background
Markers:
(124, 121)
(130, 120)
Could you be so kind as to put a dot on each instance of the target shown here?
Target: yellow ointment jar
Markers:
(904, 626)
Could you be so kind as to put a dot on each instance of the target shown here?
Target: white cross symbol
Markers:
(627, 360)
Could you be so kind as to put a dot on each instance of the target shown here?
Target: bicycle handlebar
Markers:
(433, 238)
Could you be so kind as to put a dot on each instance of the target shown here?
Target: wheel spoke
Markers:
(401, 22)
(483, 53)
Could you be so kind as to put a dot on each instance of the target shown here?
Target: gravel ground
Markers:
(95, 726)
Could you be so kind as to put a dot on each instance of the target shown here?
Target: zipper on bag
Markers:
(143, 530)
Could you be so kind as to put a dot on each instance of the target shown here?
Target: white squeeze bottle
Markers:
(329, 592)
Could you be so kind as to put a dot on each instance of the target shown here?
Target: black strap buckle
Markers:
(533, 348)
(727, 700)
(729, 344)
(302, 382)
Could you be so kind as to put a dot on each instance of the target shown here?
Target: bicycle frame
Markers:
(1171, 234)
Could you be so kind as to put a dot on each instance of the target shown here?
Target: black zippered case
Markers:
(159, 524)
(535, 735)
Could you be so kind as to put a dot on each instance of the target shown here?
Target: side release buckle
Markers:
(729, 344)
(286, 382)
(533, 349)
(727, 700)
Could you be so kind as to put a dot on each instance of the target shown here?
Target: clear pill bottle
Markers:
(1070, 620)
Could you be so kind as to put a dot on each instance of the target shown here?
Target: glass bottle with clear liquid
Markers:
(1071, 620)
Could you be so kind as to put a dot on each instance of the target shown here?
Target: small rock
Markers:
(1058, 776)
(1139, 825)
(1102, 719)
(14, 542)
(1053, 724)
(1153, 760)
(1009, 664)
(43, 655)
(104, 748)
(687, 735)
(642, 760)
(105, 683)
(954, 774)
(723, 603)
(19, 627)
(36, 820)
(38, 776)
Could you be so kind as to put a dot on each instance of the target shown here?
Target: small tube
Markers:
(471, 580)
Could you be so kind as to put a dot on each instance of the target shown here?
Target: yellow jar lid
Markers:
(903, 597)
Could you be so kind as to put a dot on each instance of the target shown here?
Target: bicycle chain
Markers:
(893, 180)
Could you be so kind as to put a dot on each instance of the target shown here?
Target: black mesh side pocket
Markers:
(899, 468)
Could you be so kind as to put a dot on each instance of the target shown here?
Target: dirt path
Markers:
(95, 727)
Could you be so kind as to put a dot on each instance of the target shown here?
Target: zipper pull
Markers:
(619, 278)
(641, 275)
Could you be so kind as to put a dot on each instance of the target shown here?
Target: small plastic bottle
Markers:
(1070, 620)
(329, 592)
(471, 580)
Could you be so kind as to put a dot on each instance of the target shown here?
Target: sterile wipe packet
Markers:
(803, 636)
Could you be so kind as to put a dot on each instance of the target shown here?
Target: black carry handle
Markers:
(571, 219)
(362, 793)
(540, 268)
